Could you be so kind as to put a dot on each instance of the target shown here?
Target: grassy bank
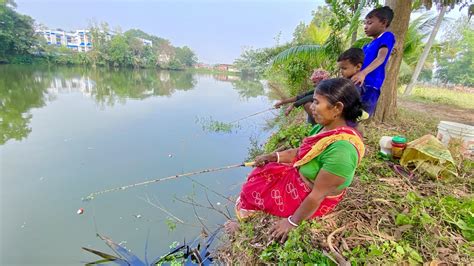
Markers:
(384, 218)
(438, 95)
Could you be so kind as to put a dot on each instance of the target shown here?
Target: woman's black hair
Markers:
(342, 90)
(384, 14)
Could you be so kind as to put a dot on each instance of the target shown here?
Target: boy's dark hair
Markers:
(354, 55)
(384, 14)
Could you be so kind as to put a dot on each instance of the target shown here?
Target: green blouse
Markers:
(340, 158)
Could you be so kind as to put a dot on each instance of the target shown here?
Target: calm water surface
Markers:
(67, 132)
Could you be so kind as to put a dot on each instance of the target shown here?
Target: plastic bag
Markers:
(429, 155)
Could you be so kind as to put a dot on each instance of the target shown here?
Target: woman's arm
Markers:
(359, 78)
(286, 156)
(325, 184)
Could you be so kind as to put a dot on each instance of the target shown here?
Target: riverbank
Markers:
(385, 217)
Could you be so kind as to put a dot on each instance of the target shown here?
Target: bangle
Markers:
(291, 222)
(278, 157)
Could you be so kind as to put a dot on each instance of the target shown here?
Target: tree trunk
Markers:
(354, 37)
(354, 34)
(426, 51)
(387, 104)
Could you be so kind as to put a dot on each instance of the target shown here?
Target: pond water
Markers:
(68, 132)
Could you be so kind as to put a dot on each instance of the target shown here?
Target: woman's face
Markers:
(323, 112)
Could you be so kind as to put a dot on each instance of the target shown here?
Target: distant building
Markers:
(79, 40)
(202, 65)
(226, 67)
(146, 42)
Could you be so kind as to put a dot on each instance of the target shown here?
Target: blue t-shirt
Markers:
(371, 50)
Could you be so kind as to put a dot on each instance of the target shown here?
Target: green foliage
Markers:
(255, 149)
(296, 250)
(16, 34)
(459, 213)
(171, 224)
(256, 61)
(175, 259)
(211, 125)
(456, 59)
(388, 251)
(288, 137)
(118, 51)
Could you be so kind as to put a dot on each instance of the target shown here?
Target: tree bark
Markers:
(387, 104)
(354, 34)
(426, 51)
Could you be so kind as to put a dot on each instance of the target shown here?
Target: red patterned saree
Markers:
(278, 189)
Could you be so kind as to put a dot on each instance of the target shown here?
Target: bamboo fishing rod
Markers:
(94, 194)
(254, 114)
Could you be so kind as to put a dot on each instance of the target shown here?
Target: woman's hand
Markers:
(280, 230)
(264, 159)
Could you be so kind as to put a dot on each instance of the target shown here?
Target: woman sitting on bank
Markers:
(307, 182)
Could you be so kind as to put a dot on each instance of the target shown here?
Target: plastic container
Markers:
(386, 145)
(451, 130)
(399, 144)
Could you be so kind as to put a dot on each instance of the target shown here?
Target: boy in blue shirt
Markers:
(377, 52)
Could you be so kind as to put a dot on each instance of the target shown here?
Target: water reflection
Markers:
(25, 87)
(247, 87)
(112, 86)
(20, 91)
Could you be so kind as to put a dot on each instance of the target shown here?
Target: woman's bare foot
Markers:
(231, 226)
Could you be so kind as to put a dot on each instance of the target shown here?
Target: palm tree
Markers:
(327, 41)
(418, 30)
(426, 50)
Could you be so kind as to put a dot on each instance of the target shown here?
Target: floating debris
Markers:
(23, 225)
(138, 216)
(80, 211)
(170, 155)
(41, 178)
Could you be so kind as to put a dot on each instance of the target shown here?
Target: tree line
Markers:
(19, 44)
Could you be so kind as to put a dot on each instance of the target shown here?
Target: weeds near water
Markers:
(211, 125)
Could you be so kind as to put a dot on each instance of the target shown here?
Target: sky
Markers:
(217, 31)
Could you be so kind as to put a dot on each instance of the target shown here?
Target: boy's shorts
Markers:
(369, 96)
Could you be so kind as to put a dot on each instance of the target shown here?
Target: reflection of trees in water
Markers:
(112, 86)
(21, 89)
(248, 88)
(25, 87)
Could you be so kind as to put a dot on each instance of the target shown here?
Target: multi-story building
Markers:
(79, 40)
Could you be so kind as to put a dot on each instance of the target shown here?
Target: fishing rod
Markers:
(254, 114)
(94, 194)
